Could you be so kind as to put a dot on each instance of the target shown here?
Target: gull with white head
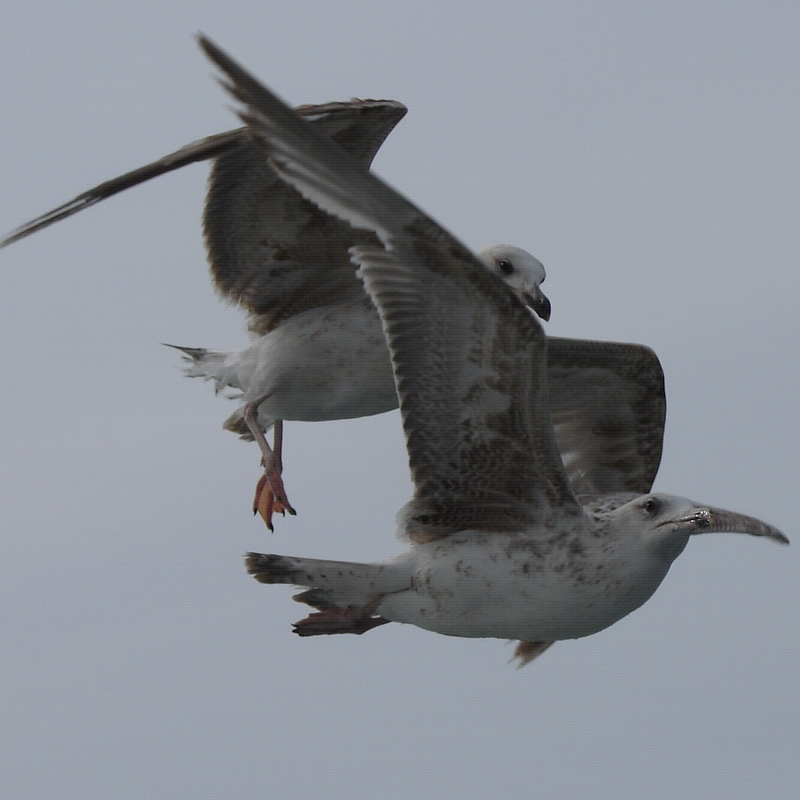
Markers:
(318, 351)
(499, 543)
(327, 361)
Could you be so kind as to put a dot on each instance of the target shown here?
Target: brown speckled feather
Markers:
(270, 249)
(470, 368)
(469, 359)
(608, 408)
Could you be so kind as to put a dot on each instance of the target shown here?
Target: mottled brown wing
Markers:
(470, 368)
(469, 358)
(608, 407)
(271, 250)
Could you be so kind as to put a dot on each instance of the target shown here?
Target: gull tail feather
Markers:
(211, 365)
(345, 594)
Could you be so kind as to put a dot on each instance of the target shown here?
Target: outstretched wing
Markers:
(470, 369)
(469, 358)
(270, 250)
(608, 408)
(202, 150)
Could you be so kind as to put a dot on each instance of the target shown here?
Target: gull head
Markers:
(663, 523)
(522, 272)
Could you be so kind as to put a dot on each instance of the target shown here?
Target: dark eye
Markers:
(651, 506)
(506, 267)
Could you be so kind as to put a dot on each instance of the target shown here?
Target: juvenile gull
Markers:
(499, 543)
(318, 351)
(328, 361)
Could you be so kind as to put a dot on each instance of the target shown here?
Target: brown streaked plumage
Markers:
(490, 554)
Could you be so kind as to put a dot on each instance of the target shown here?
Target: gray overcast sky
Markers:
(647, 153)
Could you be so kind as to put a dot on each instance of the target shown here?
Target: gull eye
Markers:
(506, 267)
(651, 506)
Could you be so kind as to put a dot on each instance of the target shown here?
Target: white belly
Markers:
(492, 586)
(324, 364)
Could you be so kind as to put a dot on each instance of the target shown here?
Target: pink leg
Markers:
(264, 502)
(270, 494)
(338, 620)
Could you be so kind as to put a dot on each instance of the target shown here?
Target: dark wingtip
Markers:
(215, 53)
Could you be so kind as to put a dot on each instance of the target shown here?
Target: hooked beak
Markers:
(537, 300)
(718, 520)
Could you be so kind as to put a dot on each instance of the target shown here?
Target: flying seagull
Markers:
(499, 543)
(327, 361)
(318, 351)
